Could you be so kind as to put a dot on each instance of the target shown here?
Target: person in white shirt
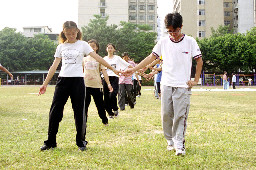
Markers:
(234, 81)
(177, 52)
(110, 98)
(70, 83)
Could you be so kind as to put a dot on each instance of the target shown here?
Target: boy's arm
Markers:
(149, 59)
(5, 70)
(199, 65)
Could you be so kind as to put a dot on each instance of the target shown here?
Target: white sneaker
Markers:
(170, 147)
(181, 152)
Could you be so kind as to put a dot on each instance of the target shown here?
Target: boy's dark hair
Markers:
(173, 19)
(95, 42)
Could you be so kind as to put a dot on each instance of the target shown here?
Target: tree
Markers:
(19, 53)
(137, 40)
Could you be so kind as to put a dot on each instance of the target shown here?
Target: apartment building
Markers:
(228, 14)
(199, 16)
(30, 32)
(134, 11)
(244, 15)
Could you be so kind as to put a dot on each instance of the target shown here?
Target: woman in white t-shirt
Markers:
(70, 83)
(93, 82)
(110, 98)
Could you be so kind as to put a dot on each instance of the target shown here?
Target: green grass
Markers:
(220, 135)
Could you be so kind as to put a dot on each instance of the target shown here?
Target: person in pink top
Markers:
(125, 86)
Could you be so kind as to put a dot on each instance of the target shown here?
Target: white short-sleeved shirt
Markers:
(117, 62)
(72, 55)
(177, 59)
(0, 64)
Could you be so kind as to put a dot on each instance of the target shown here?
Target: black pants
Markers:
(125, 90)
(97, 95)
(74, 88)
(234, 85)
(110, 100)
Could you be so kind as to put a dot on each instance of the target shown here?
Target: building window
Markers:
(37, 29)
(102, 3)
(201, 23)
(151, 7)
(142, 17)
(201, 12)
(201, 34)
(142, 7)
(132, 17)
(226, 4)
(226, 23)
(132, 7)
(201, 2)
(102, 13)
(151, 17)
(226, 13)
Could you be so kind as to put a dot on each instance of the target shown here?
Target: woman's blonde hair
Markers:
(67, 25)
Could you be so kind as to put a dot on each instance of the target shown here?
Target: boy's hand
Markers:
(116, 72)
(128, 72)
(191, 83)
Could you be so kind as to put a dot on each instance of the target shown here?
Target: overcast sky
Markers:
(52, 13)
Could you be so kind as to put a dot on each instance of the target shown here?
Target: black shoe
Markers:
(45, 147)
(116, 113)
(82, 148)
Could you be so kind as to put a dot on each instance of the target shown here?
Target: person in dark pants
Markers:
(110, 98)
(70, 83)
(93, 82)
(126, 87)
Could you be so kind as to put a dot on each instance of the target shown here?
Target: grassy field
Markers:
(220, 135)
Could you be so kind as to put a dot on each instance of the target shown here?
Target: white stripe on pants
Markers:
(175, 103)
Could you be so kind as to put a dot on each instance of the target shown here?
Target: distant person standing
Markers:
(249, 81)
(234, 81)
(225, 81)
(5, 70)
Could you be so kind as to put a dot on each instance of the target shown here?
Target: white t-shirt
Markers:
(72, 55)
(0, 64)
(177, 59)
(117, 62)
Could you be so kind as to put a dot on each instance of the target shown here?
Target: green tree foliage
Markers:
(229, 52)
(137, 40)
(20, 53)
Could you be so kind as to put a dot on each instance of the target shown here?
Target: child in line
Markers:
(93, 82)
(110, 98)
(70, 83)
(177, 52)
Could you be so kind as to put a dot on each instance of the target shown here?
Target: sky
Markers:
(52, 13)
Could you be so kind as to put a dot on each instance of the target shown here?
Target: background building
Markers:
(134, 11)
(199, 16)
(30, 32)
(228, 13)
(244, 15)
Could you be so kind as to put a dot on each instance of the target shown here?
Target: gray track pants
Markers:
(175, 103)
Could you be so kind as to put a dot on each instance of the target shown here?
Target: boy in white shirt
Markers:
(177, 52)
